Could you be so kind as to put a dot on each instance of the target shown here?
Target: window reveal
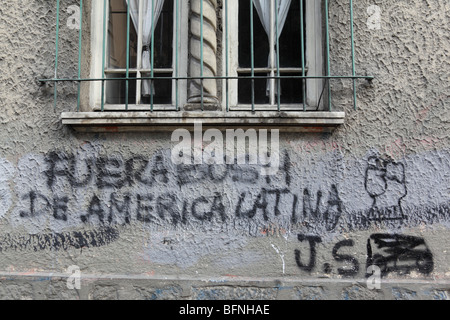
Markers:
(151, 52)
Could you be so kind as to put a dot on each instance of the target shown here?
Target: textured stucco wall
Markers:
(114, 204)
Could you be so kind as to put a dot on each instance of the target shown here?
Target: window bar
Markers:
(176, 54)
(201, 55)
(302, 43)
(103, 56)
(277, 57)
(353, 53)
(252, 49)
(127, 83)
(272, 55)
(327, 30)
(152, 56)
(139, 50)
(80, 35)
(226, 58)
(56, 52)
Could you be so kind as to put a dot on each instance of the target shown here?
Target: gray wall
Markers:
(139, 227)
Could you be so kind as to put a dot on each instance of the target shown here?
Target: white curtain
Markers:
(150, 17)
(263, 9)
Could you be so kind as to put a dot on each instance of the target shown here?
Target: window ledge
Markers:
(167, 121)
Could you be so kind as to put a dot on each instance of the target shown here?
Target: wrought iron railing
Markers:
(276, 77)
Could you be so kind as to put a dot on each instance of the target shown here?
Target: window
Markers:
(225, 63)
(279, 47)
(146, 52)
(272, 46)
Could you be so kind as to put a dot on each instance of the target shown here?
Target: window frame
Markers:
(87, 118)
(96, 62)
(314, 61)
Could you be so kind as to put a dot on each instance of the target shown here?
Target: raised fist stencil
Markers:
(385, 183)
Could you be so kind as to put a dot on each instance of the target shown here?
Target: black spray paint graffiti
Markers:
(118, 208)
(248, 174)
(399, 253)
(395, 253)
(104, 172)
(413, 216)
(354, 269)
(116, 191)
(330, 217)
(386, 184)
(261, 204)
(59, 241)
(113, 174)
(313, 241)
(39, 204)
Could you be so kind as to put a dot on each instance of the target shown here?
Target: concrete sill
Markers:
(169, 121)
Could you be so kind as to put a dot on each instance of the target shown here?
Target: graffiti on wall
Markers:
(99, 194)
(59, 241)
(385, 183)
(399, 253)
(119, 191)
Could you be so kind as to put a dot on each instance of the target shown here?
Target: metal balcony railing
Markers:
(275, 75)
